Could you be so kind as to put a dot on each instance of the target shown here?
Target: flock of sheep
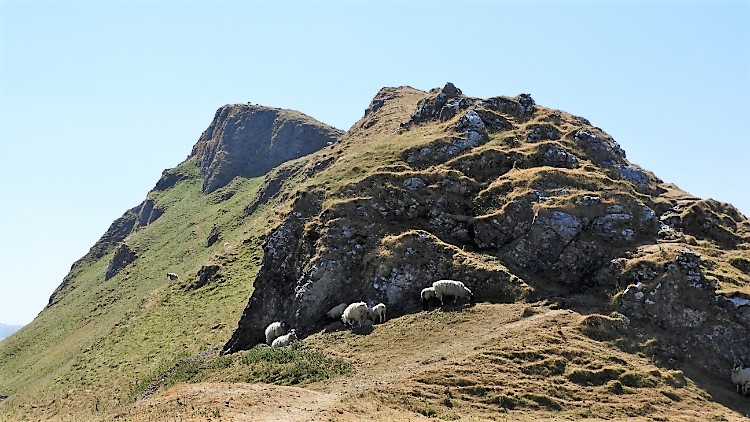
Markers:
(278, 333)
(356, 314)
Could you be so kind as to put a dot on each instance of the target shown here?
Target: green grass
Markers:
(289, 366)
(104, 338)
(292, 365)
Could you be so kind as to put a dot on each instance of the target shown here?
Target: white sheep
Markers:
(741, 378)
(275, 330)
(172, 276)
(428, 296)
(286, 339)
(336, 311)
(356, 312)
(378, 313)
(453, 288)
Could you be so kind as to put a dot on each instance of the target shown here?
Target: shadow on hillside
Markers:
(652, 342)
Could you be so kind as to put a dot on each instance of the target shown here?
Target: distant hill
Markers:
(7, 330)
(596, 281)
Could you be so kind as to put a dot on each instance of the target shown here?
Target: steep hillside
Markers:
(117, 319)
(603, 291)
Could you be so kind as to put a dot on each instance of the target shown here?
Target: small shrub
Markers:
(671, 395)
(615, 387)
(188, 371)
(638, 380)
(290, 365)
(544, 401)
(601, 327)
(589, 378)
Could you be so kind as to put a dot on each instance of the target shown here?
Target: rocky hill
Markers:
(521, 203)
(597, 281)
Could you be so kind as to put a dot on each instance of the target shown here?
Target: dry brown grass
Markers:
(488, 362)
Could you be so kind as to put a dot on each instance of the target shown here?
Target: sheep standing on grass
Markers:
(286, 339)
(336, 311)
(356, 312)
(378, 313)
(275, 330)
(428, 297)
(172, 276)
(741, 378)
(453, 288)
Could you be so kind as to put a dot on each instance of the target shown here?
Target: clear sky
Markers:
(98, 97)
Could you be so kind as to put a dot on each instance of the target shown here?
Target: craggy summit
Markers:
(519, 202)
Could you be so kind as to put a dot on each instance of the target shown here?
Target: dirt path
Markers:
(391, 357)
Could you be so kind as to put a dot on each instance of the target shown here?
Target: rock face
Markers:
(517, 201)
(122, 258)
(249, 140)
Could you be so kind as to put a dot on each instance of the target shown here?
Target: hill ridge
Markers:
(521, 202)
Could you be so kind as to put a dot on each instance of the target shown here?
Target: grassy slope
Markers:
(97, 346)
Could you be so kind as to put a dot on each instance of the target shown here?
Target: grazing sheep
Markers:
(275, 330)
(286, 339)
(378, 313)
(336, 311)
(172, 276)
(356, 312)
(453, 288)
(741, 378)
(428, 297)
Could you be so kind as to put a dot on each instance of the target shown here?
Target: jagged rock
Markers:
(148, 213)
(555, 157)
(542, 132)
(121, 259)
(213, 236)
(168, 179)
(439, 107)
(706, 219)
(603, 151)
(248, 140)
(549, 235)
(520, 108)
(414, 183)
(451, 91)
(679, 300)
(470, 121)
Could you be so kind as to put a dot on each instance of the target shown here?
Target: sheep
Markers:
(356, 312)
(336, 311)
(172, 276)
(275, 330)
(741, 378)
(428, 296)
(451, 288)
(286, 339)
(378, 313)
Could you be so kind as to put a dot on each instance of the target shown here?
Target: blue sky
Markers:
(98, 97)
